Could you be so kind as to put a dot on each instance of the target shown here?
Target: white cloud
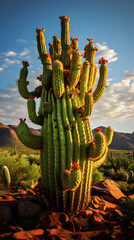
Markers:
(10, 54)
(1, 69)
(107, 53)
(117, 103)
(22, 40)
(129, 75)
(25, 52)
(8, 62)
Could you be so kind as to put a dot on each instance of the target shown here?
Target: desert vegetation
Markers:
(24, 168)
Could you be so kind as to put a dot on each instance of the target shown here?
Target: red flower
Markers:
(98, 130)
(31, 97)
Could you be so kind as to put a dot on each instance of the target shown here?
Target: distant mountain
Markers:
(121, 141)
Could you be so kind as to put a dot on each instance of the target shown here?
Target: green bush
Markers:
(127, 205)
(23, 172)
(97, 176)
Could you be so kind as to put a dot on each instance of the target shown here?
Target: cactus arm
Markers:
(87, 109)
(97, 147)
(90, 51)
(94, 78)
(27, 138)
(41, 45)
(46, 78)
(84, 80)
(58, 79)
(65, 41)
(71, 179)
(74, 43)
(6, 176)
(32, 112)
(101, 86)
(43, 100)
(100, 160)
(57, 48)
(109, 135)
(22, 83)
(75, 69)
(91, 77)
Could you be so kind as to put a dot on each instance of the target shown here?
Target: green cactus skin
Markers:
(41, 45)
(58, 79)
(6, 176)
(46, 78)
(69, 151)
(74, 43)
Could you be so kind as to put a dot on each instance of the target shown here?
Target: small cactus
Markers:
(6, 176)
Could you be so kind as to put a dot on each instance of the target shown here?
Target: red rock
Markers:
(109, 189)
(28, 234)
(82, 223)
(117, 213)
(49, 220)
(85, 213)
(97, 219)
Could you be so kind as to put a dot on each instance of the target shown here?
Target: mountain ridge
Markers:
(121, 141)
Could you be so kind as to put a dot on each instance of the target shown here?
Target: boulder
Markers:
(109, 190)
(28, 209)
(5, 214)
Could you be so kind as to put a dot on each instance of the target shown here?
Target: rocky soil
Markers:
(27, 215)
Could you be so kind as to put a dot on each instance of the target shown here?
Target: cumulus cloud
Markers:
(107, 53)
(1, 69)
(117, 103)
(25, 52)
(11, 54)
(129, 75)
(7, 62)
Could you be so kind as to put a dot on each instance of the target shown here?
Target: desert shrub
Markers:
(110, 172)
(131, 167)
(97, 176)
(21, 170)
(120, 174)
(126, 187)
(127, 205)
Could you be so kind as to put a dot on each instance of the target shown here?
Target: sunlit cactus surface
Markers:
(69, 151)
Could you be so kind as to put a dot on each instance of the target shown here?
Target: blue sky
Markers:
(109, 23)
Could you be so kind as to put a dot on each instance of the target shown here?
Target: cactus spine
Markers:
(6, 176)
(69, 151)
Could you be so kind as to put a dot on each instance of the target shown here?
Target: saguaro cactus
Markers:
(69, 151)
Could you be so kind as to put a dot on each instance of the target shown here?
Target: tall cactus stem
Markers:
(41, 45)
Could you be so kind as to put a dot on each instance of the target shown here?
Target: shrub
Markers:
(97, 176)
